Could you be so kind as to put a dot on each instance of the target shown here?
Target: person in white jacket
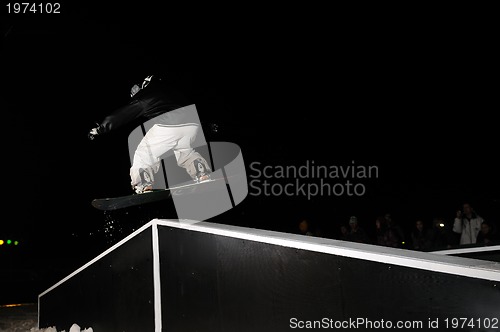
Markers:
(467, 224)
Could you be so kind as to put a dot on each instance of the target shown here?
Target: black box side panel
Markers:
(188, 270)
(114, 293)
(215, 283)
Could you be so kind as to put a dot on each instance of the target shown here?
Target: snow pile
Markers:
(74, 328)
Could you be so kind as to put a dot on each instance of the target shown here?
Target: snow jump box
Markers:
(172, 275)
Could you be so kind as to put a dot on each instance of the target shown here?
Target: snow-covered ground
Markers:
(24, 318)
(18, 317)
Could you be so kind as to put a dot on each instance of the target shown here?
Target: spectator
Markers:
(385, 235)
(396, 228)
(356, 233)
(440, 235)
(305, 228)
(344, 232)
(467, 224)
(487, 235)
(420, 237)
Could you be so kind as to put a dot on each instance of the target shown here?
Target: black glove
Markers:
(94, 132)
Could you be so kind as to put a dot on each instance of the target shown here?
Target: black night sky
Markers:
(418, 103)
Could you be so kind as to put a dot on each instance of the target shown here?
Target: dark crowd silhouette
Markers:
(465, 227)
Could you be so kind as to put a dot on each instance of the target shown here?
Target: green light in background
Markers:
(16, 243)
(9, 241)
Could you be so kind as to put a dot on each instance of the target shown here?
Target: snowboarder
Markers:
(176, 125)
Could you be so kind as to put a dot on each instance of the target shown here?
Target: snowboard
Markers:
(115, 203)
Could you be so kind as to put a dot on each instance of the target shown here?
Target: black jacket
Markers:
(157, 100)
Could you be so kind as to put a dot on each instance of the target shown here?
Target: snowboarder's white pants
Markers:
(159, 140)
